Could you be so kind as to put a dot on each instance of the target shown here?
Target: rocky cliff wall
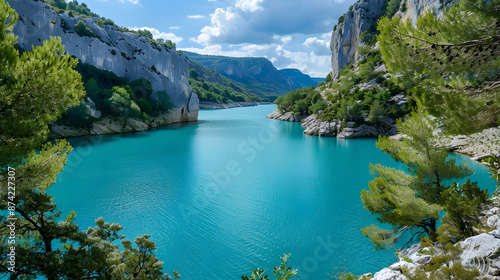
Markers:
(345, 38)
(123, 53)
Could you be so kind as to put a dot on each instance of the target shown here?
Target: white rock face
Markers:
(287, 116)
(318, 127)
(345, 38)
(493, 221)
(123, 53)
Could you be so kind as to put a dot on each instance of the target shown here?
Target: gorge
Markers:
(218, 193)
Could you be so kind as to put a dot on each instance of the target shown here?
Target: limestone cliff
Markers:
(123, 53)
(346, 36)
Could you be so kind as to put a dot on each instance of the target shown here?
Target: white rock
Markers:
(492, 221)
(479, 246)
(387, 274)
(492, 211)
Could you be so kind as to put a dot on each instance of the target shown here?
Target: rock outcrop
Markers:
(287, 116)
(318, 127)
(123, 53)
(346, 36)
(413, 8)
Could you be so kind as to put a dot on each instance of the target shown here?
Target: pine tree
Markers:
(409, 202)
(452, 61)
(36, 88)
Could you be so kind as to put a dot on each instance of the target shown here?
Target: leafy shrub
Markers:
(83, 30)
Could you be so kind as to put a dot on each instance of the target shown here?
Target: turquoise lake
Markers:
(233, 192)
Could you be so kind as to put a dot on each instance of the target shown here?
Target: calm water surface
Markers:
(231, 193)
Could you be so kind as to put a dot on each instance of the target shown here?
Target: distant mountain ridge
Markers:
(211, 86)
(257, 73)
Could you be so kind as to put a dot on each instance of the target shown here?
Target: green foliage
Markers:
(193, 74)
(77, 116)
(282, 271)
(83, 30)
(410, 202)
(301, 101)
(163, 103)
(392, 7)
(329, 78)
(101, 85)
(368, 38)
(349, 102)
(223, 92)
(454, 60)
(341, 19)
(166, 43)
(124, 55)
(363, 50)
(141, 88)
(113, 52)
(73, 7)
(61, 4)
(425, 242)
(462, 206)
(144, 33)
(122, 103)
(33, 91)
(493, 163)
(104, 21)
(257, 274)
(444, 266)
(377, 111)
(346, 276)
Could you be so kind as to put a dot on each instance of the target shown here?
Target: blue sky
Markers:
(290, 33)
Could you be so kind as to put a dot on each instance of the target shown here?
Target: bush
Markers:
(193, 73)
(83, 30)
(77, 116)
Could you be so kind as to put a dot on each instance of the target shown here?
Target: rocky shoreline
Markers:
(318, 127)
(110, 125)
(476, 146)
(209, 105)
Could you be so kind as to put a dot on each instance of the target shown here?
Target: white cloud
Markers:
(195, 16)
(284, 39)
(248, 5)
(175, 27)
(215, 50)
(130, 1)
(212, 0)
(257, 21)
(163, 35)
(309, 63)
(319, 46)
